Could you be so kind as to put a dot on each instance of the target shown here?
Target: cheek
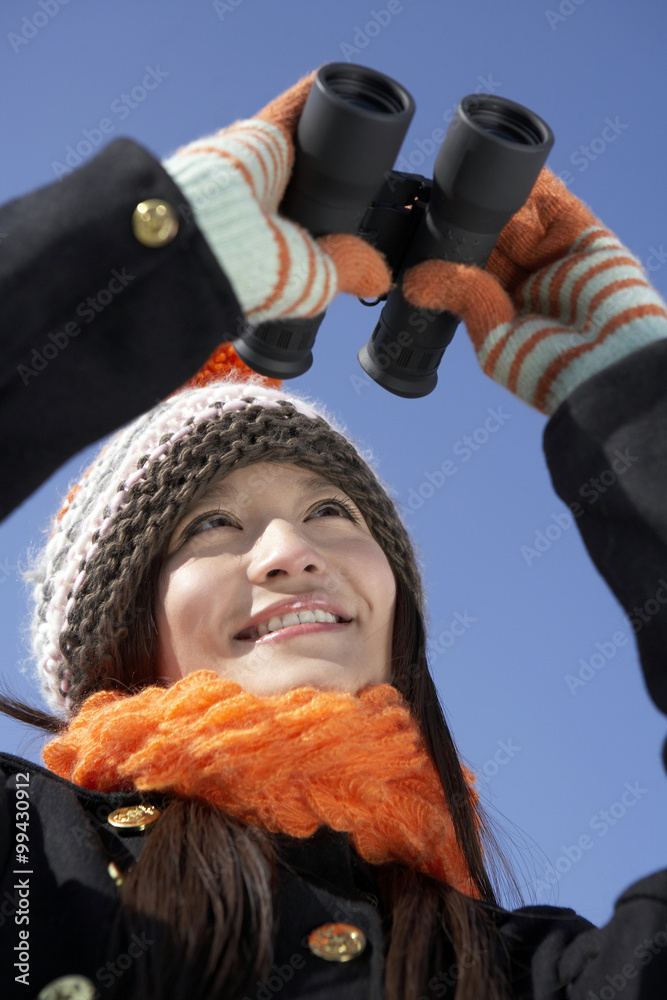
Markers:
(190, 604)
(375, 576)
(386, 584)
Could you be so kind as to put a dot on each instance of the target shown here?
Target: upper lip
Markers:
(300, 604)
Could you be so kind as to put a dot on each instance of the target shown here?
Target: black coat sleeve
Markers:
(606, 447)
(555, 953)
(96, 327)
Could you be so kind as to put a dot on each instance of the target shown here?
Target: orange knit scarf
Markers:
(289, 763)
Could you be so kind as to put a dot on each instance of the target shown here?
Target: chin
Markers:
(306, 678)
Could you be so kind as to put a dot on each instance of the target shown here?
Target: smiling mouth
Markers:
(278, 622)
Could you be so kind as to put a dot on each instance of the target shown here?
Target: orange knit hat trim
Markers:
(223, 363)
(288, 763)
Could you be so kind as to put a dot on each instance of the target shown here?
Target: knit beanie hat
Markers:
(108, 541)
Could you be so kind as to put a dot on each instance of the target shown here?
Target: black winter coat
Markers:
(169, 307)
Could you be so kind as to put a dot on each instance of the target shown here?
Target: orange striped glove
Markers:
(561, 298)
(235, 181)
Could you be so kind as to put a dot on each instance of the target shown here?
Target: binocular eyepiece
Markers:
(349, 135)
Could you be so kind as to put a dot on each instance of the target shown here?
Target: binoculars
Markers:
(348, 137)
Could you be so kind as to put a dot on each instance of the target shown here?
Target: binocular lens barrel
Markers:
(487, 164)
(513, 124)
(485, 169)
(367, 90)
(348, 137)
(350, 132)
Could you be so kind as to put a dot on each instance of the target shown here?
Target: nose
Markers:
(283, 550)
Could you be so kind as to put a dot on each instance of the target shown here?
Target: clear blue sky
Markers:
(551, 759)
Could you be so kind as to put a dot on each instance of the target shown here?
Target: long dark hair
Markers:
(202, 890)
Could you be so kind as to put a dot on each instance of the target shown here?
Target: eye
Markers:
(207, 522)
(340, 507)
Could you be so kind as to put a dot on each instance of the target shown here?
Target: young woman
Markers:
(251, 789)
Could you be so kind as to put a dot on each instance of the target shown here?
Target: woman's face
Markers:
(274, 581)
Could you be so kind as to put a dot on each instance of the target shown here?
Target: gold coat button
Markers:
(68, 988)
(134, 817)
(154, 222)
(337, 942)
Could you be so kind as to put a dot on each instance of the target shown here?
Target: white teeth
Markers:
(277, 622)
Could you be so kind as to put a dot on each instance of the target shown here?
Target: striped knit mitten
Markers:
(561, 298)
(235, 181)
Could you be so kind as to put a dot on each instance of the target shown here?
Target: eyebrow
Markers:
(316, 483)
(224, 491)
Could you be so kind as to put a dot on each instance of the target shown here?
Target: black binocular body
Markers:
(348, 137)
